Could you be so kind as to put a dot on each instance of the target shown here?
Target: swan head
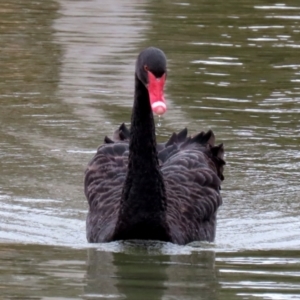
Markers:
(151, 70)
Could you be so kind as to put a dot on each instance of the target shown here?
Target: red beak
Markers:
(156, 93)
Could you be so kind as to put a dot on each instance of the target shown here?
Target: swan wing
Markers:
(192, 170)
(104, 179)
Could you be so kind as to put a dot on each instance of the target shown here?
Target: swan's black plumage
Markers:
(137, 189)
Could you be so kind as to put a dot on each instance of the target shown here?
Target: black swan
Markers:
(138, 189)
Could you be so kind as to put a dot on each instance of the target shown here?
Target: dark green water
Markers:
(132, 271)
(66, 81)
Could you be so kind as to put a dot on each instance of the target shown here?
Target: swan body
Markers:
(138, 189)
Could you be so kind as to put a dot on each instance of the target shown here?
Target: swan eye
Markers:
(146, 68)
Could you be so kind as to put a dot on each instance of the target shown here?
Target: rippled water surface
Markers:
(66, 81)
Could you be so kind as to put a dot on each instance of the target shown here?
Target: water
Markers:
(131, 272)
(66, 81)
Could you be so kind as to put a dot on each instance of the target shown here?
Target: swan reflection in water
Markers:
(141, 271)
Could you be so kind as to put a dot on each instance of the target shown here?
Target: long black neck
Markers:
(142, 146)
(143, 203)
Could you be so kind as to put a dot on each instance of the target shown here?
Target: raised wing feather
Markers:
(192, 169)
(193, 194)
(104, 179)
